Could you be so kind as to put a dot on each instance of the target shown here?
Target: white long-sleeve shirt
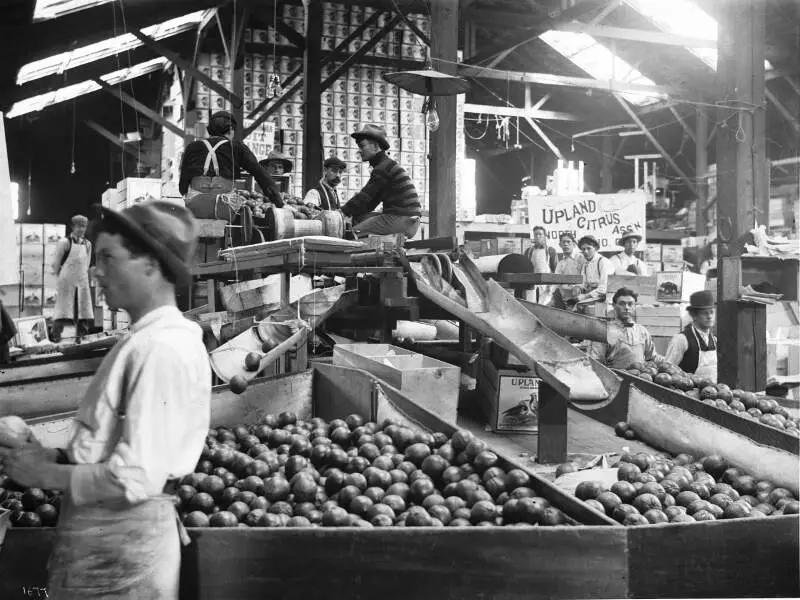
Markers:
(620, 263)
(595, 276)
(161, 369)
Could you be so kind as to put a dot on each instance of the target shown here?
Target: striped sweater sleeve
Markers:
(369, 197)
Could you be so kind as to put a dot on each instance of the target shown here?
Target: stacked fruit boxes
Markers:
(35, 293)
(358, 97)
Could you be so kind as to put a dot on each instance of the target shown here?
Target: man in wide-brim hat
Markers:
(388, 184)
(277, 163)
(695, 348)
(626, 262)
(140, 426)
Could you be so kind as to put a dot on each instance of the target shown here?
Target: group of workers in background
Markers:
(210, 166)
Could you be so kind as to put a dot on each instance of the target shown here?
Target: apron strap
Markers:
(211, 157)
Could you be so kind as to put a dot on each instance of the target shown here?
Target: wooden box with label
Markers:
(509, 398)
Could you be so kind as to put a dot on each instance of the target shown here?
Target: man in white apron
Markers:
(628, 342)
(626, 262)
(140, 426)
(695, 348)
(71, 264)
(542, 257)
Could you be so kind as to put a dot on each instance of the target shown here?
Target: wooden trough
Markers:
(752, 557)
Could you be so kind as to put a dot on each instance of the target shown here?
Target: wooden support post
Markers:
(312, 75)
(552, 439)
(607, 161)
(742, 182)
(701, 169)
(237, 65)
(442, 187)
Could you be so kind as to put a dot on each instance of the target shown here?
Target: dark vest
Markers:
(696, 344)
(327, 199)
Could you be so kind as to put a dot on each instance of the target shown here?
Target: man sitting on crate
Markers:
(140, 426)
(209, 167)
(388, 184)
(627, 342)
(695, 348)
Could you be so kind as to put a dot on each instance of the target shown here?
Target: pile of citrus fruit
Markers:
(287, 472)
(655, 489)
(748, 405)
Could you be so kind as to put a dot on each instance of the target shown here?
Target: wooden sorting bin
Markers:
(710, 559)
(429, 382)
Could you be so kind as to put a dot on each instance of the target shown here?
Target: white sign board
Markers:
(605, 216)
(262, 140)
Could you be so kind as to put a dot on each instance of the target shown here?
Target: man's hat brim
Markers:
(179, 269)
(629, 236)
(381, 141)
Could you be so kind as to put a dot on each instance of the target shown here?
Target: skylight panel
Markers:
(599, 62)
(52, 9)
(54, 65)
(684, 17)
(42, 101)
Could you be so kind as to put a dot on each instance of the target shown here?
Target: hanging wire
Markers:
(121, 111)
(130, 82)
(72, 163)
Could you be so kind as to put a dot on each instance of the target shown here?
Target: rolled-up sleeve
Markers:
(162, 433)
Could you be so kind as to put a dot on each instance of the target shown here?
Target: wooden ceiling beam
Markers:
(647, 36)
(513, 111)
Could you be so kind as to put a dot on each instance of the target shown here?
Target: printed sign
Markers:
(518, 404)
(605, 216)
(262, 140)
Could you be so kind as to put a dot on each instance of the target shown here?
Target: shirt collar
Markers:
(154, 316)
(76, 240)
(327, 185)
(377, 158)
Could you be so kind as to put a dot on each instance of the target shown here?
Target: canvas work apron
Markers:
(706, 361)
(624, 354)
(117, 551)
(73, 283)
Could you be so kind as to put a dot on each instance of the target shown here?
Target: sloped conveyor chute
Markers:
(491, 310)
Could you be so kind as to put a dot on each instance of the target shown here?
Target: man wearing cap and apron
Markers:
(388, 184)
(324, 195)
(695, 348)
(626, 262)
(627, 341)
(209, 167)
(595, 272)
(140, 426)
(71, 264)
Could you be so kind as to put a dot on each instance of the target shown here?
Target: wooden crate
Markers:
(509, 398)
(429, 382)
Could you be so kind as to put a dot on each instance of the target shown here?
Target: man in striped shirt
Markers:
(389, 184)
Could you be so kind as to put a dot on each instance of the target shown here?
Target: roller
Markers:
(281, 224)
(503, 263)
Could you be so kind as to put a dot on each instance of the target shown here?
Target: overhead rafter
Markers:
(513, 111)
(355, 34)
(565, 81)
(142, 108)
(352, 59)
(187, 66)
(291, 34)
(649, 36)
(635, 118)
(535, 126)
(578, 10)
(116, 141)
(782, 110)
(96, 24)
(683, 123)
